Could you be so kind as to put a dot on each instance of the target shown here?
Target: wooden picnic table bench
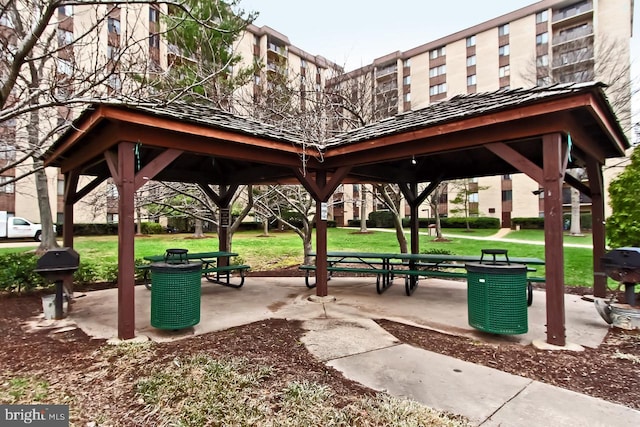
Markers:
(412, 266)
(212, 269)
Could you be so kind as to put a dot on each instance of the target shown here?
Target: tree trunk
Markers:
(265, 226)
(575, 213)
(198, 233)
(402, 239)
(138, 221)
(42, 190)
(363, 209)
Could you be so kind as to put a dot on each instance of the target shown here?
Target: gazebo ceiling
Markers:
(448, 139)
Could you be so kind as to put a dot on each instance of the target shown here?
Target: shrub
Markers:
(474, 222)
(532, 223)
(87, 272)
(18, 272)
(152, 228)
(381, 219)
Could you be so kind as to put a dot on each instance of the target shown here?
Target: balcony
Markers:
(574, 33)
(386, 71)
(576, 10)
(279, 50)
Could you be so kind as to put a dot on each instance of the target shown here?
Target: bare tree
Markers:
(580, 60)
(53, 60)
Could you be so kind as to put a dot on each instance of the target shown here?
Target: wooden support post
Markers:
(554, 259)
(594, 171)
(415, 224)
(322, 288)
(126, 233)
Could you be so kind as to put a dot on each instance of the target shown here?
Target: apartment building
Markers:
(551, 41)
(114, 45)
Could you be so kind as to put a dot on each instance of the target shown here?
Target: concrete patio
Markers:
(436, 304)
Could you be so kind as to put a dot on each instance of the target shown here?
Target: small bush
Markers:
(436, 251)
(152, 228)
(381, 219)
(86, 273)
(18, 272)
(532, 223)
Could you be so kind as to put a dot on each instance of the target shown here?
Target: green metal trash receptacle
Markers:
(175, 295)
(497, 298)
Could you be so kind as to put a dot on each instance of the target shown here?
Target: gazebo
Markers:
(540, 132)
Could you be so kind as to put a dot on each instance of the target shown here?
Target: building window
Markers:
(6, 188)
(64, 67)
(407, 97)
(542, 61)
(503, 71)
(474, 198)
(61, 187)
(543, 81)
(406, 80)
(503, 50)
(507, 195)
(471, 61)
(503, 30)
(7, 150)
(112, 52)
(506, 177)
(542, 38)
(303, 63)
(542, 17)
(436, 53)
(65, 10)
(505, 87)
(154, 40)
(471, 80)
(438, 89)
(65, 37)
(154, 14)
(114, 82)
(406, 63)
(471, 41)
(437, 71)
(5, 20)
(114, 26)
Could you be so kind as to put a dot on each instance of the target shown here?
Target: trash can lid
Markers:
(166, 266)
(497, 267)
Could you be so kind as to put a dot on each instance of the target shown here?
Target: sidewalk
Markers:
(341, 332)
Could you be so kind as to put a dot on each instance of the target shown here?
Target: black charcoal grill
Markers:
(58, 265)
(623, 265)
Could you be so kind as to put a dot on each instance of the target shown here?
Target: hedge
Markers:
(537, 223)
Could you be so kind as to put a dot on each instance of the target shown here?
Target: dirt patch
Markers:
(79, 371)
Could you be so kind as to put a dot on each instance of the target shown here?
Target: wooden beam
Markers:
(70, 186)
(322, 276)
(554, 253)
(88, 188)
(309, 184)
(577, 184)
(594, 172)
(155, 166)
(92, 147)
(112, 162)
(126, 233)
(210, 192)
(80, 130)
(517, 160)
(159, 124)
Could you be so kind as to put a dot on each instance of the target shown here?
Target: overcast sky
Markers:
(353, 33)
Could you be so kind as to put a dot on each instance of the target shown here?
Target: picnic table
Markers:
(213, 269)
(412, 266)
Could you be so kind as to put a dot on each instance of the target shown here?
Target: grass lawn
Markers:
(284, 249)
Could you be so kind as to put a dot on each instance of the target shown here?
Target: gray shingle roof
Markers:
(456, 108)
(213, 117)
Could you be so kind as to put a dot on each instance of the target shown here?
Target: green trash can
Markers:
(175, 295)
(497, 297)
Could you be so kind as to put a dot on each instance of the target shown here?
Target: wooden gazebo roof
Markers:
(540, 132)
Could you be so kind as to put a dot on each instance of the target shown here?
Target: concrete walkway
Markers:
(342, 333)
